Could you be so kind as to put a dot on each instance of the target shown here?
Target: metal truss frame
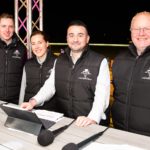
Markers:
(28, 17)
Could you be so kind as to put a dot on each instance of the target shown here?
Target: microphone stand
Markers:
(92, 138)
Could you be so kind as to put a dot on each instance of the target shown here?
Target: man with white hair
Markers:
(131, 79)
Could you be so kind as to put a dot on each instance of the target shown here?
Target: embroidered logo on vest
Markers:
(16, 54)
(147, 72)
(86, 73)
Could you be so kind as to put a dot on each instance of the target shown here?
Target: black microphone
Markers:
(46, 137)
(73, 146)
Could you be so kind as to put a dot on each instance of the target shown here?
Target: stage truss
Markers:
(28, 17)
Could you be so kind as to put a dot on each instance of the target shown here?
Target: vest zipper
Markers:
(40, 75)
(130, 84)
(5, 75)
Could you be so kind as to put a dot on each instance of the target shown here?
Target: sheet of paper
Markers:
(98, 146)
(49, 115)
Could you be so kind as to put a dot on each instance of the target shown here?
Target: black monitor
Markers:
(24, 120)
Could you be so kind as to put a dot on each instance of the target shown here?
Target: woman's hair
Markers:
(38, 32)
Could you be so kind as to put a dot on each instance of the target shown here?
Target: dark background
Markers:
(108, 21)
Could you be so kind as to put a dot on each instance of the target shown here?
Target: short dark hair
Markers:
(78, 23)
(6, 15)
(38, 32)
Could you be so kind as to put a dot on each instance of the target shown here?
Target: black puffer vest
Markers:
(75, 84)
(12, 60)
(131, 79)
(36, 74)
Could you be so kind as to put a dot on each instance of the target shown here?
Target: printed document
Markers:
(99, 146)
(49, 115)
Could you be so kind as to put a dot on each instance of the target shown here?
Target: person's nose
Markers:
(75, 38)
(141, 31)
(7, 29)
(37, 46)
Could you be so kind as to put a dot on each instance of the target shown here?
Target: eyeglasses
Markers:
(138, 30)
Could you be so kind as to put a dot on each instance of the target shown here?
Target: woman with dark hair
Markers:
(37, 69)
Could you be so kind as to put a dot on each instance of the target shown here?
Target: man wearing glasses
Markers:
(131, 79)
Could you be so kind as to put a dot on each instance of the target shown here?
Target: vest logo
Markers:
(16, 54)
(85, 75)
(147, 72)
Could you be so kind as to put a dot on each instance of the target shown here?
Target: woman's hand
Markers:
(28, 105)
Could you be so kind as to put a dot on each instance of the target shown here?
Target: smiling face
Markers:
(39, 45)
(6, 29)
(140, 31)
(77, 38)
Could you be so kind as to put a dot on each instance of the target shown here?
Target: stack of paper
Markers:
(49, 115)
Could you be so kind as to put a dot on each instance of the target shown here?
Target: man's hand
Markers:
(83, 121)
(28, 105)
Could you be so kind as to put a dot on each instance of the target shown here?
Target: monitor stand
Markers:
(23, 125)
